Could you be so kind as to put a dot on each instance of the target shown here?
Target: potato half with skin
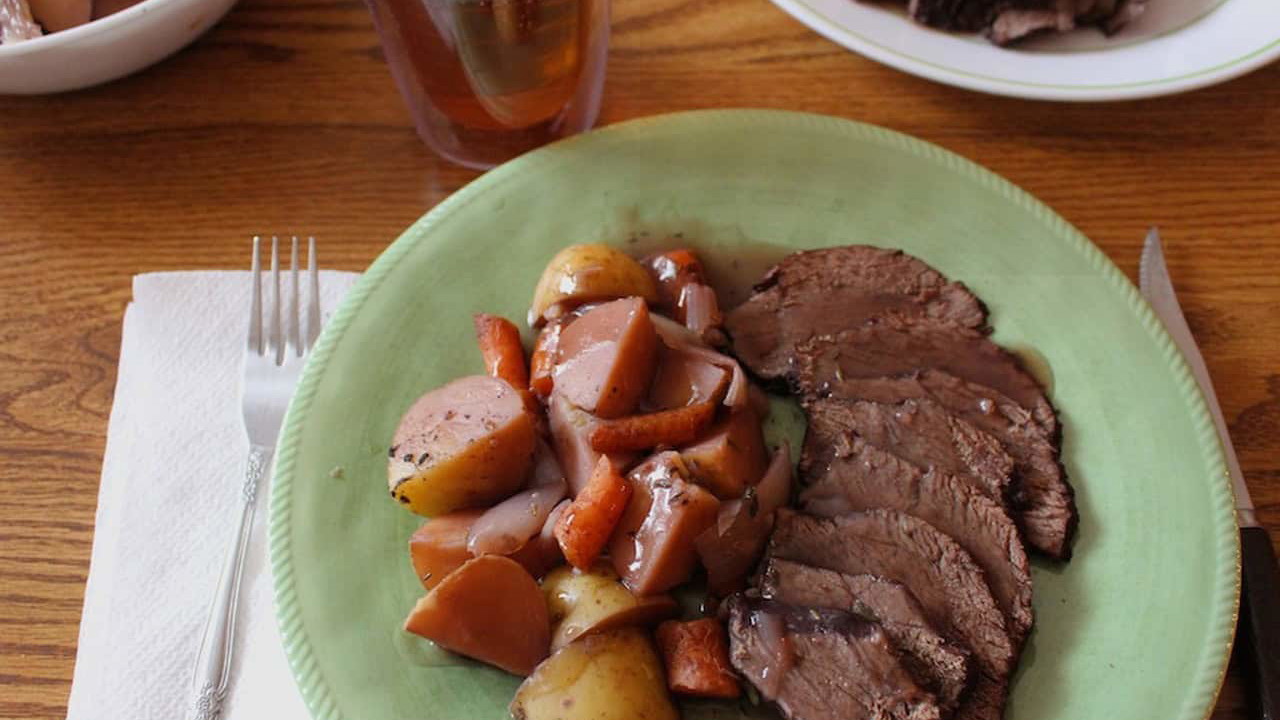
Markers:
(571, 429)
(613, 675)
(439, 547)
(652, 548)
(466, 444)
(683, 379)
(731, 457)
(582, 603)
(489, 609)
(606, 358)
(587, 273)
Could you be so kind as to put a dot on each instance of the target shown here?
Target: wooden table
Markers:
(284, 119)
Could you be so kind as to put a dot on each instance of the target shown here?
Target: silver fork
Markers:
(273, 360)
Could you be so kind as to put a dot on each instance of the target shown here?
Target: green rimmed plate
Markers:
(1139, 624)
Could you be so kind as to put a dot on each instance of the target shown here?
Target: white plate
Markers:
(1177, 45)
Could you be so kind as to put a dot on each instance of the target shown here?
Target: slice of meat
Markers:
(823, 664)
(1042, 500)
(1126, 12)
(887, 349)
(921, 432)
(863, 477)
(1016, 19)
(942, 664)
(817, 292)
(961, 15)
(1015, 23)
(943, 577)
(1092, 11)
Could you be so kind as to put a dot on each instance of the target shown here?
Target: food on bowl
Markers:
(572, 499)
(16, 23)
(1007, 21)
(28, 19)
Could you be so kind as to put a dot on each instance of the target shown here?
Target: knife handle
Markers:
(1261, 600)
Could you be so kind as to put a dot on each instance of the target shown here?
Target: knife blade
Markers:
(1260, 617)
(1157, 288)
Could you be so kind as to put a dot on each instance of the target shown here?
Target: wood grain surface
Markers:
(284, 119)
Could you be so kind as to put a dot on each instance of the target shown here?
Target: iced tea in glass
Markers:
(486, 80)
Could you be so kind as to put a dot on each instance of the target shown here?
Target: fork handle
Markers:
(213, 661)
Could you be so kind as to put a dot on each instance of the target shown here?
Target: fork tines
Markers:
(284, 332)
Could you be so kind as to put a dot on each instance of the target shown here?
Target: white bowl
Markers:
(1175, 46)
(106, 49)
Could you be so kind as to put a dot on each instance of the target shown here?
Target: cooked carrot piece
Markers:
(673, 270)
(543, 362)
(500, 346)
(684, 261)
(697, 658)
(585, 526)
(641, 432)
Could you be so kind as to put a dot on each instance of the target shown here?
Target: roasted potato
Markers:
(571, 429)
(683, 379)
(582, 603)
(466, 444)
(588, 273)
(489, 609)
(539, 555)
(440, 546)
(613, 675)
(606, 358)
(732, 546)
(653, 546)
(731, 457)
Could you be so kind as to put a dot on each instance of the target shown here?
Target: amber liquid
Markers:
(488, 79)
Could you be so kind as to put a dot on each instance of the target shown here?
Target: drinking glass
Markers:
(486, 80)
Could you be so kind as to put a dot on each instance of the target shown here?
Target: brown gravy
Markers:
(734, 265)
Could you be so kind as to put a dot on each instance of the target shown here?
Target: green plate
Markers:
(1138, 625)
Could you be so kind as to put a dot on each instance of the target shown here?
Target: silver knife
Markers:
(1260, 616)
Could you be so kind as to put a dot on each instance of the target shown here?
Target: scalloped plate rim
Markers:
(298, 648)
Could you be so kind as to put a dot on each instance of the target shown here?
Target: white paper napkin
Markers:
(167, 508)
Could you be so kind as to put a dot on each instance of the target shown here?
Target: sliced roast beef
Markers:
(943, 577)
(961, 15)
(1017, 19)
(942, 665)
(895, 348)
(919, 431)
(861, 476)
(817, 292)
(1126, 12)
(1015, 23)
(1042, 500)
(821, 664)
